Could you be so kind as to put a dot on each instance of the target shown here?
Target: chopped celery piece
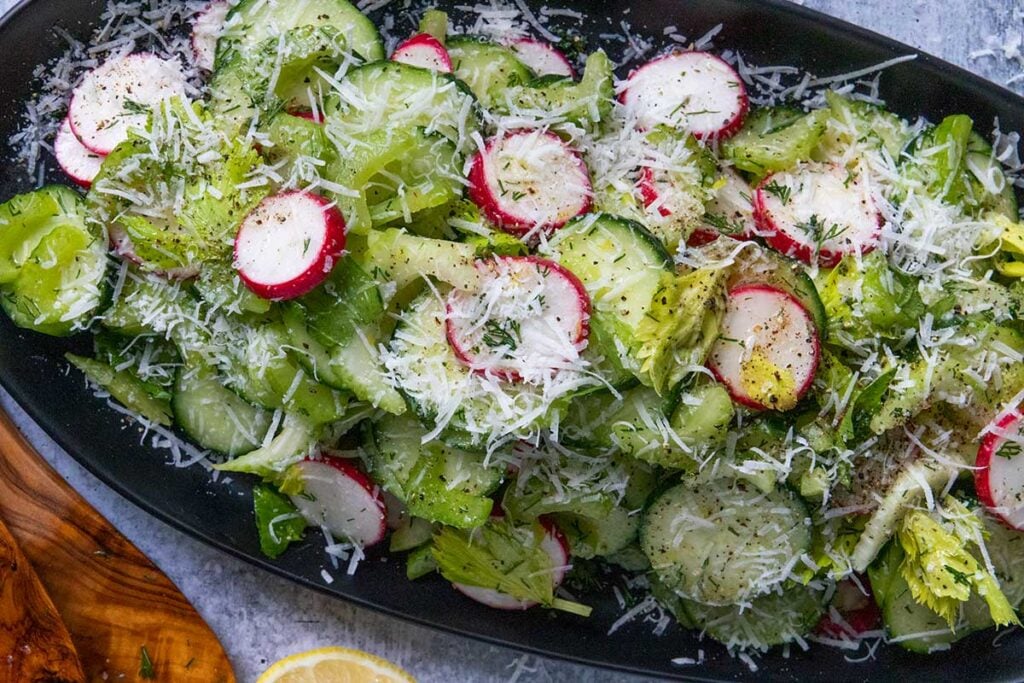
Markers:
(586, 103)
(436, 482)
(127, 389)
(420, 562)
(775, 141)
(399, 257)
(505, 557)
(435, 23)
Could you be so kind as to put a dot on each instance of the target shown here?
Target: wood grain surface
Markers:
(114, 600)
(35, 646)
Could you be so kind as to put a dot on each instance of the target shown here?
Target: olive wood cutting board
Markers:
(34, 643)
(113, 599)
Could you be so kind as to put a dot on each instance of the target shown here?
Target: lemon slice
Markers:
(334, 665)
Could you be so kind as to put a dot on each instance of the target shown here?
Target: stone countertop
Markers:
(261, 618)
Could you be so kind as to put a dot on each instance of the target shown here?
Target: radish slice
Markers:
(76, 160)
(852, 612)
(425, 51)
(116, 96)
(767, 350)
(121, 245)
(542, 58)
(529, 317)
(339, 497)
(692, 91)
(557, 548)
(308, 114)
(730, 211)
(818, 214)
(999, 477)
(527, 181)
(206, 29)
(289, 244)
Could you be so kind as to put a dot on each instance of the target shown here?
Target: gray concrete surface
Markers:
(261, 618)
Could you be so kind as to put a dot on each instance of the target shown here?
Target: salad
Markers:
(480, 301)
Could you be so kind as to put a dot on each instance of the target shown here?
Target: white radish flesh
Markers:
(730, 212)
(79, 162)
(542, 58)
(529, 181)
(999, 477)
(529, 318)
(425, 51)
(692, 91)
(116, 97)
(818, 214)
(767, 350)
(289, 244)
(556, 547)
(342, 499)
(206, 29)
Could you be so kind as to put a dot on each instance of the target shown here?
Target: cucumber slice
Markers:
(436, 482)
(917, 628)
(26, 218)
(589, 537)
(308, 352)
(779, 617)
(214, 416)
(263, 373)
(487, 68)
(621, 264)
(60, 284)
(253, 21)
(390, 96)
(861, 119)
(282, 72)
(670, 433)
(343, 317)
(723, 542)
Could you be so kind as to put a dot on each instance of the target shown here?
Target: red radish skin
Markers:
(542, 58)
(425, 51)
(342, 499)
(779, 327)
(693, 91)
(308, 114)
(529, 181)
(206, 29)
(77, 161)
(99, 111)
(289, 244)
(648, 189)
(837, 203)
(565, 308)
(557, 548)
(852, 612)
(999, 469)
